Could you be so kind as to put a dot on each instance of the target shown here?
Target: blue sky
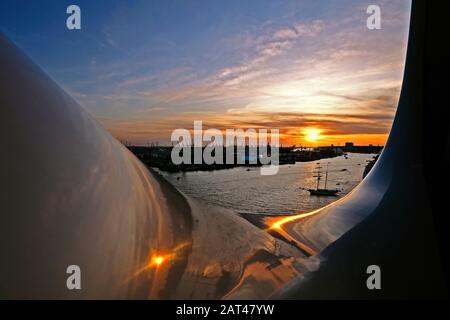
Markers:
(144, 68)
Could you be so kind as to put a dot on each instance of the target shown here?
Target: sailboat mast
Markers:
(318, 177)
(326, 176)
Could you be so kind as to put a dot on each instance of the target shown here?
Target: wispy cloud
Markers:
(282, 64)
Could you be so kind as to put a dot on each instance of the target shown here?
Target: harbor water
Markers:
(246, 191)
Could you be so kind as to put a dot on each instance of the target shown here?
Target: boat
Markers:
(322, 191)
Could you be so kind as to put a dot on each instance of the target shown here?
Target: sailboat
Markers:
(322, 192)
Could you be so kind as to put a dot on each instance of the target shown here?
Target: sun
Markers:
(312, 134)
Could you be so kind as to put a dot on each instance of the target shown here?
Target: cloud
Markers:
(286, 73)
(270, 45)
(300, 29)
(285, 34)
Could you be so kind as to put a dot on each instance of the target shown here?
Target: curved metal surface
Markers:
(71, 194)
(387, 220)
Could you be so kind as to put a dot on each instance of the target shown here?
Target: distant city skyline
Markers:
(144, 68)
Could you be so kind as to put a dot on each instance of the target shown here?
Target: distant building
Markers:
(349, 144)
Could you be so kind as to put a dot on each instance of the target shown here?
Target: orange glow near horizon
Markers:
(295, 128)
(309, 137)
(323, 139)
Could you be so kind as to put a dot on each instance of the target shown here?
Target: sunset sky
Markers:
(144, 68)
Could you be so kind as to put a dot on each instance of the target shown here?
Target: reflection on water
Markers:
(249, 192)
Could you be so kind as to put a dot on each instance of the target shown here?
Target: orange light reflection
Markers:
(277, 223)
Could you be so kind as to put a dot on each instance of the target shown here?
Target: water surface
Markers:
(249, 192)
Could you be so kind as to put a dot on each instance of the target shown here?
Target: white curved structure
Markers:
(71, 194)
